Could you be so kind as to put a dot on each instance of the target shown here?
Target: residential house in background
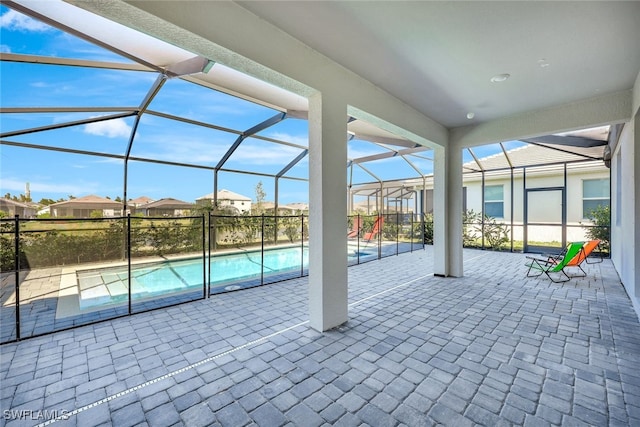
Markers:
(133, 205)
(85, 207)
(228, 200)
(298, 207)
(13, 208)
(288, 209)
(167, 207)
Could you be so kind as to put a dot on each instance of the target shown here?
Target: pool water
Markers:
(109, 286)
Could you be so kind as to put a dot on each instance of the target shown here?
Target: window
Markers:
(494, 201)
(595, 192)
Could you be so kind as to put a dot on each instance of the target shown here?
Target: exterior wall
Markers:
(170, 212)
(537, 178)
(624, 223)
(82, 213)
(12, 210)
(241, 205)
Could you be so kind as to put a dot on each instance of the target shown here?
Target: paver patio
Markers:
(491, 348)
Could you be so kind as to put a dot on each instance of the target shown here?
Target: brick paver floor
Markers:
(491, 348)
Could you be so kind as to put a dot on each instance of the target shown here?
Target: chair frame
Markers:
(558, 263)
(356, 229)
(583, 256)
(590, 247)
(377, 228)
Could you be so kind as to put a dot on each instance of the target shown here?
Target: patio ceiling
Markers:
(440, 56)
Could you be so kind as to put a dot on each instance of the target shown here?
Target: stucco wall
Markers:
(575, 178)
(623, 219)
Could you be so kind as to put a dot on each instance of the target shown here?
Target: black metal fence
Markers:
(58, 274)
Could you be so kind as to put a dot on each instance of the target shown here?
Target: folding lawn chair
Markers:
(556, 265)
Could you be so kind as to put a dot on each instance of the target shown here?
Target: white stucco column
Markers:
(327, 211)
(447, 212)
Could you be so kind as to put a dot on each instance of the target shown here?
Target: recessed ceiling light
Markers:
(543, 63)
(500, 78)
(470, 116)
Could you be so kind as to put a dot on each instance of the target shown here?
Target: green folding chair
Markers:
(555, 265)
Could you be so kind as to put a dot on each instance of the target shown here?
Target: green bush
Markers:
(390, 227)
(67, 246)
(428, 228)
(471, 229)
(476, 228)
(292, 227)
(601, 218)
(495, 234)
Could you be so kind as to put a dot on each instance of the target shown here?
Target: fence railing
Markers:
(62, 273)
(57, 274)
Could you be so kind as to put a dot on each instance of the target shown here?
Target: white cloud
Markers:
(15, 186)
(110, 128)
(5, 48)
(16, 21)
(295, 139)
(278, 155)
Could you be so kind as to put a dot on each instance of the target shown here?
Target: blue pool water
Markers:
(110, 285)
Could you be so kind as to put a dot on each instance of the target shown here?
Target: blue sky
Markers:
(57, 175)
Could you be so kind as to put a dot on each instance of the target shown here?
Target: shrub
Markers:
(471, 225)
(495, 233)
(601, 229)
(428, 228)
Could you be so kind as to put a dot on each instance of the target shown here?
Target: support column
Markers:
(327, 212)
(447, 212)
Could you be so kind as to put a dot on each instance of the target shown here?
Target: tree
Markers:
(46, 202)
(260, 195)
(21, 198)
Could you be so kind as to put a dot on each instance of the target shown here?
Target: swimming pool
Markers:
(109, 286)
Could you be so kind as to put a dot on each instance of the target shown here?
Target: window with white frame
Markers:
(494, 201)
(595, 192)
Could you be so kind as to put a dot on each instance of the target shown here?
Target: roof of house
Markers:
(168, 203)
(225, 195)
(9, 202)
(288, 206)
(142, 200)
(299, 206)
(542, 153)
(89, 202)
